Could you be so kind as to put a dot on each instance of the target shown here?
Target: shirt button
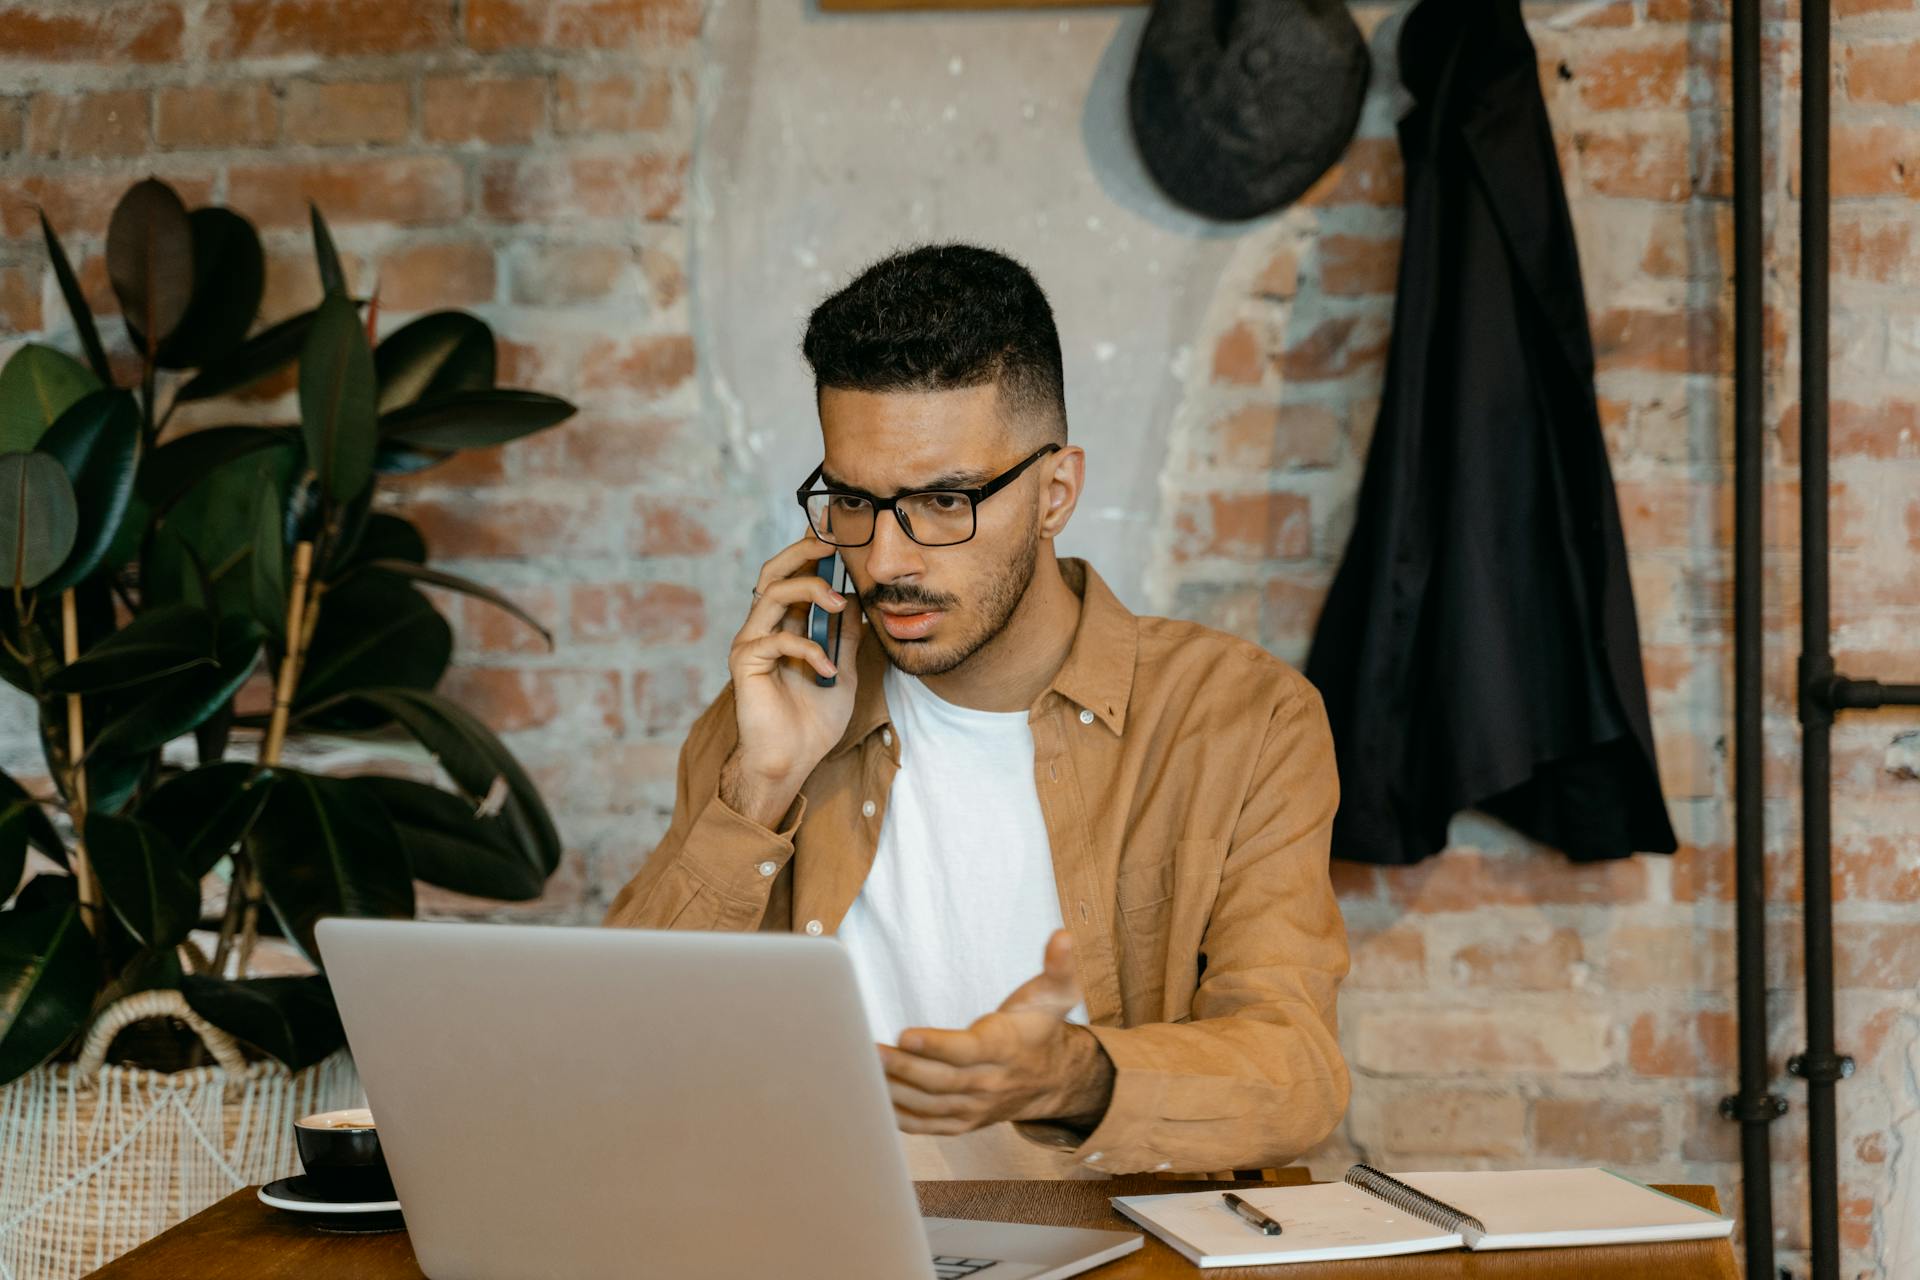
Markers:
(1095, 1157)
(867, 808)
(767, 868)
(1163, 1166)
(813, 927)
(886, 737)
(1086, 717)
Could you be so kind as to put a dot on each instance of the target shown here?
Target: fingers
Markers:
(752, 658)
(1056, 989)
(779, 598)
(978, 1044)
(790, 561)
(929, 1075)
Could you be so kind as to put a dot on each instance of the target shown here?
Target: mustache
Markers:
(898, 599)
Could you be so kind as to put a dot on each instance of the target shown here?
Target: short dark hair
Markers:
(940, 317)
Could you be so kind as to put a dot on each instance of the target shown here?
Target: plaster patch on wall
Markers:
(1903, 756)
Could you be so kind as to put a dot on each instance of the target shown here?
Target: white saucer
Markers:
(294, 1195)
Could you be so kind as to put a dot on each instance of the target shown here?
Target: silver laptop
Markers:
(615, 1102)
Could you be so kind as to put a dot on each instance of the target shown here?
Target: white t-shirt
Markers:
(956, 912)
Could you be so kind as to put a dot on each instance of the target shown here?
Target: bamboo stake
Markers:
(299, 631)
(87, 884)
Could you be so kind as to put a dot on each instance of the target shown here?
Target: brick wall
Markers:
(529, 161)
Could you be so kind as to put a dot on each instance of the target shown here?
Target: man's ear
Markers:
(1063, 489)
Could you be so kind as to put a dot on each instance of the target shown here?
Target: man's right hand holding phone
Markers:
(787, 722)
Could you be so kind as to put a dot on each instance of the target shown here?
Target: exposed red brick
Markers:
(635, 103)
(348, 112)
(20, 300)
(1237, 356)
(79, 204)
(1884, 71)
(514, 699)
(1336, 347)
(551, 275)
(1870, 159)
(419, 277)
(1599, 1129)
(242, 115)
(1244, 526)
(1266, 437)
(326, 28)
(1466, 880)
(581, 24)
(1520, 963)
(404, 189)
(647, 366)
(117, 122)
(544, 188)
(1638, 165)
(1369, 173)
(671, 527)
(491, 525)
(465, 109)
(1358, 264)
(487, 628)
(1280, 278)
(1681, 1044)
(147, 31)
(639, 613)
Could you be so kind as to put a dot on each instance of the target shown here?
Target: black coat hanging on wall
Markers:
(1478, 648)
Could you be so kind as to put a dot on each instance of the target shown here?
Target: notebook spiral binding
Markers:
(1416, 1202)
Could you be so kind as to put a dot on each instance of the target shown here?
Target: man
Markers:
(1011, 769)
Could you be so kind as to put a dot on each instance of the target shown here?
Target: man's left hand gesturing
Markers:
(1024, 1061)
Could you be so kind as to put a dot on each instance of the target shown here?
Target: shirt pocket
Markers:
(1164, 908)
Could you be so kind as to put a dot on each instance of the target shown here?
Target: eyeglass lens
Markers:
(931, 519)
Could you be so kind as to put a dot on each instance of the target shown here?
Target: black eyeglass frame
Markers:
(974, 496)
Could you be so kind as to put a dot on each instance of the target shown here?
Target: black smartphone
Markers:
(823, 627)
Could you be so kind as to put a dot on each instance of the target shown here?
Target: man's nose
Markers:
(892, 555)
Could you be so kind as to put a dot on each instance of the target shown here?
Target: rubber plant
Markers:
(146, 576)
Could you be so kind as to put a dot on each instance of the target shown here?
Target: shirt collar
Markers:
(1097, 675)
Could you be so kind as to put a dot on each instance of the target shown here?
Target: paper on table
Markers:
(1555, 1207)
(1323, 1223)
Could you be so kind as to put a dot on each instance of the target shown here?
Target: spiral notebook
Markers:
(1372, 1215)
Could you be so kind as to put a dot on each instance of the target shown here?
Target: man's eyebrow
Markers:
(946, 480)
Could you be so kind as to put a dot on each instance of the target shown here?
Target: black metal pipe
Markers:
(1820, 1066)
(1752, 1107)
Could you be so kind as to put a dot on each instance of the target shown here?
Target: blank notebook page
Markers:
(1323, 1223)
(1552, 1207)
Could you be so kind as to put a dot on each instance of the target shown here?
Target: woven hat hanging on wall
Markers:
(1239, 106)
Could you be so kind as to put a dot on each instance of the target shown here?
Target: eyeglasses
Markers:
(931, 517)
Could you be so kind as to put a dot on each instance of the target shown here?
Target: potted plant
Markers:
(153, 584)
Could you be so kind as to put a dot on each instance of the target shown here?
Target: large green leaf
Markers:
(39, 829)
(156, 644)
(453, 582)
(337, 415)
(321, 850)
(374, 630)
(473, 419)
(477, 762)
(14, 816)
(181, 704)
(448, 844)
(150, 261)
(37, 385)
(267, 563)
(39, 518)
(98, 442)
(332, 278)
(206, 811)
(229, 277)
(143, 878)
(76, 304)
(266, 352)
(214, 522)
(171, 471)
(388, 537)
(292, 1020)
(440, 352)
(47, 975)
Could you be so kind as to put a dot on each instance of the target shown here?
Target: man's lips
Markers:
(910, 626)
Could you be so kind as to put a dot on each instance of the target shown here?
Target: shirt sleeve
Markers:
(715, 868)
(1256, 1077)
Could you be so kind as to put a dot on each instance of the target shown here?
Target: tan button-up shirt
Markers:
(1188, 786)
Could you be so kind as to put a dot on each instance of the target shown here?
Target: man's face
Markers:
(932, 608)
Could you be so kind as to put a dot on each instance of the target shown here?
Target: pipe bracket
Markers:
(1820, 1068)
(1748, 1109)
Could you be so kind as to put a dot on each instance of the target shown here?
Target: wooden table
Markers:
(240, 1237)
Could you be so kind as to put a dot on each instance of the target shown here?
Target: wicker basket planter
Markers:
(95, 1159)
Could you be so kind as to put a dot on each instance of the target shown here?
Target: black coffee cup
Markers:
(341, 1152)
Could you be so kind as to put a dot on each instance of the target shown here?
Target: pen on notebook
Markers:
(1260, 1221)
